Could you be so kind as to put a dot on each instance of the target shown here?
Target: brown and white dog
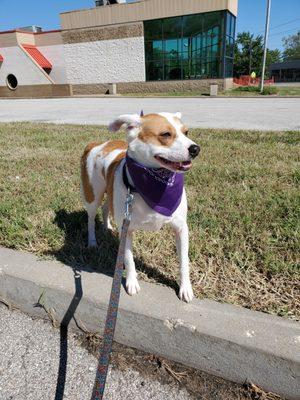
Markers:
(155, 141)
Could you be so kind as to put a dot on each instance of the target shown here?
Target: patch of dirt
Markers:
(200, 385)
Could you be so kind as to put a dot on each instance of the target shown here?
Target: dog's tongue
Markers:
(182, 165)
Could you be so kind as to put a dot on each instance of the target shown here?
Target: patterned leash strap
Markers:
(113, 306)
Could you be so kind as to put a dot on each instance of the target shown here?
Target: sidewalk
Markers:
(264, 114)
(29, 364)
(231, 342)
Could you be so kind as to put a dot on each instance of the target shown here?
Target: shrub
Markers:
(268, 90)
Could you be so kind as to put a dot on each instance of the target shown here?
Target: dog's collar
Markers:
(126, 180)
(160, 188)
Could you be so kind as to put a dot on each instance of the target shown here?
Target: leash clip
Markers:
(128, 204)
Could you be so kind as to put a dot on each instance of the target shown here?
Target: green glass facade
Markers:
(198, 46)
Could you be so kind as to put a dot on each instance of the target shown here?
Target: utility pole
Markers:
(250, 56)
(265, 45)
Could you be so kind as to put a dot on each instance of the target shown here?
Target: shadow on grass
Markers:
(75, 253)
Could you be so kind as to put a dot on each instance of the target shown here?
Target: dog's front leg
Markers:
(182, 244)
(132, 284)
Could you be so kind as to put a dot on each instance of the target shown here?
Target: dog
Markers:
(152, 162)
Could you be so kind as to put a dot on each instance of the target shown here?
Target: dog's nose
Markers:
(194, 150)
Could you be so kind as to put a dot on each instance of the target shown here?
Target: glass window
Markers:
(228, 67)
(171, 48)
(192, 25)
(185, 55)
(215, 51)
(215, 35)
(228, 24)
(211, 20)
(185, 43)
(172, 28)
(153, 29)
(186, 69)
(173, 69)
(229, 46)
(188, 47)
(154, 49)
(209, 36)
(154, 71)
(232, 30)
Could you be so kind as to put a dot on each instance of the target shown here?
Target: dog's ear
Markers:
(178, 115)
(131, 121)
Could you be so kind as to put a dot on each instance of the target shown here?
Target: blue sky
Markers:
(251, 16)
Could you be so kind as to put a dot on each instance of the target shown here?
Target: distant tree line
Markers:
(249, 52)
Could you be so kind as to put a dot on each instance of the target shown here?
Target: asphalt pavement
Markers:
(30, 352)
(227, 113)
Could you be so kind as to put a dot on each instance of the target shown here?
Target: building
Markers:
(288, 71)
(146, 46)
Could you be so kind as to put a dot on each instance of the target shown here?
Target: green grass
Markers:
(244, 212)
(169, 94)
(267, 90)
(246, 91)
(288, 90)
(281, 91)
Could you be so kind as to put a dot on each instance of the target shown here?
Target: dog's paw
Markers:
(186, 292)
(108, 226)
(132, 286)
(92, 243)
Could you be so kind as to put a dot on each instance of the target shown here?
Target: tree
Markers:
(291, 47)
(248, 55)
(273, 56)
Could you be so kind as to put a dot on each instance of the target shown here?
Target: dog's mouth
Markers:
(174, 165)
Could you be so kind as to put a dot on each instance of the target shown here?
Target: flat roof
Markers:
(141, 11)
(29, 32)
(286, 65)
(19, 36)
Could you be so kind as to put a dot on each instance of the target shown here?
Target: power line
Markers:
(285, 23)
(290, 30)
(278, 26)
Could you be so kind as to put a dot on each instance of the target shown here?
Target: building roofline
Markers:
(30, 33)
(291, 64)
(108, 5)
(141, 11)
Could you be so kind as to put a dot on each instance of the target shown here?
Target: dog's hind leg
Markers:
(91, 208)
(106, 219)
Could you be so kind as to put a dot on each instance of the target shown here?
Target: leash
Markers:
(112, 312)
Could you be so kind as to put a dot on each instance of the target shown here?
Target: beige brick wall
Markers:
(103, 33)
(37, 91)
(201, 86)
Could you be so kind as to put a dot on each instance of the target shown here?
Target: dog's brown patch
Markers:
(110, 177)
(154, 129)
(113, 145)
(86, 185)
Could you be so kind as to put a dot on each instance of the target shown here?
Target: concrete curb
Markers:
(111, 96)
(227, 341)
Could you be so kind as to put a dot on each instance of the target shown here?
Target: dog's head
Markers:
(158, 140)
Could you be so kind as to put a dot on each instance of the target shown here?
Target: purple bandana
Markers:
(160, 188)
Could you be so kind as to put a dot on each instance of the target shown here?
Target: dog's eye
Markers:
(186, 133)
(165, 134)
